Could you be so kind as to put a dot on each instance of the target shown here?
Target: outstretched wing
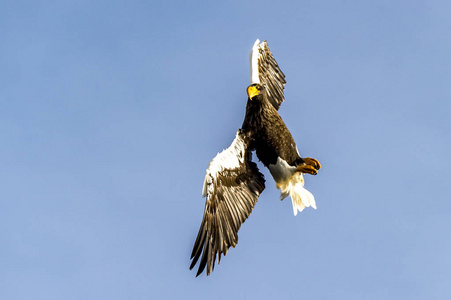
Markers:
(265, 71)
(232, 185)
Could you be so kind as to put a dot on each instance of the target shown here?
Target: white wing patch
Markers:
(232, 185)
(265, 71)
(230, 158)
(253, 63)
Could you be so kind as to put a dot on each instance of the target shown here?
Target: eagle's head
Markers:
(255, 90)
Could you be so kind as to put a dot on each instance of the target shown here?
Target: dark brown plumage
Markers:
(270, 136)
(230, 201)
(271, 76)
(233, 182)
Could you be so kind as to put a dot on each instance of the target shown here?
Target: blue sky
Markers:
(111, 111)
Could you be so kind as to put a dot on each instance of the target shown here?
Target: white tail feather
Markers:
(300, 196)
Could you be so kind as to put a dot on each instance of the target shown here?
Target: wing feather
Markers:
(232, 186)
(265, 71)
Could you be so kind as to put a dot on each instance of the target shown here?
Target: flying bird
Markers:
(233, 182)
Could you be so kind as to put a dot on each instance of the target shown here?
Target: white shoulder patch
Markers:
(231, 158)
(253, 63)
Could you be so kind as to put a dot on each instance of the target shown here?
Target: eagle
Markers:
(233, 181)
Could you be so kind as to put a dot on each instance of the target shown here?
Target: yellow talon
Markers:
(312, 162)
(307, 169)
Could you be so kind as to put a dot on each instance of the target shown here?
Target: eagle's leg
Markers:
(310, 166)
(312, 162)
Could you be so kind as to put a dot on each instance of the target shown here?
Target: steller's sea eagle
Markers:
(233, 182)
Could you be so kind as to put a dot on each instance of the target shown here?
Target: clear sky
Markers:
(111, 110)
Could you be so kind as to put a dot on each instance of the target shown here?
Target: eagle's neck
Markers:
(256, 112)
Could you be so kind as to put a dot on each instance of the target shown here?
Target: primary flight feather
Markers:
(233, 182)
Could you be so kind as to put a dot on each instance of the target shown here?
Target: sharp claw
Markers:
(312, 162)
(308, 169)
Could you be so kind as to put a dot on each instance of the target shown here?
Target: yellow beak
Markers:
(252, 91)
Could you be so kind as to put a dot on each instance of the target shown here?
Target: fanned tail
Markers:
(300, 196)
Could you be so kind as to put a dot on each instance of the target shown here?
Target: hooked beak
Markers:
(252, 91)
